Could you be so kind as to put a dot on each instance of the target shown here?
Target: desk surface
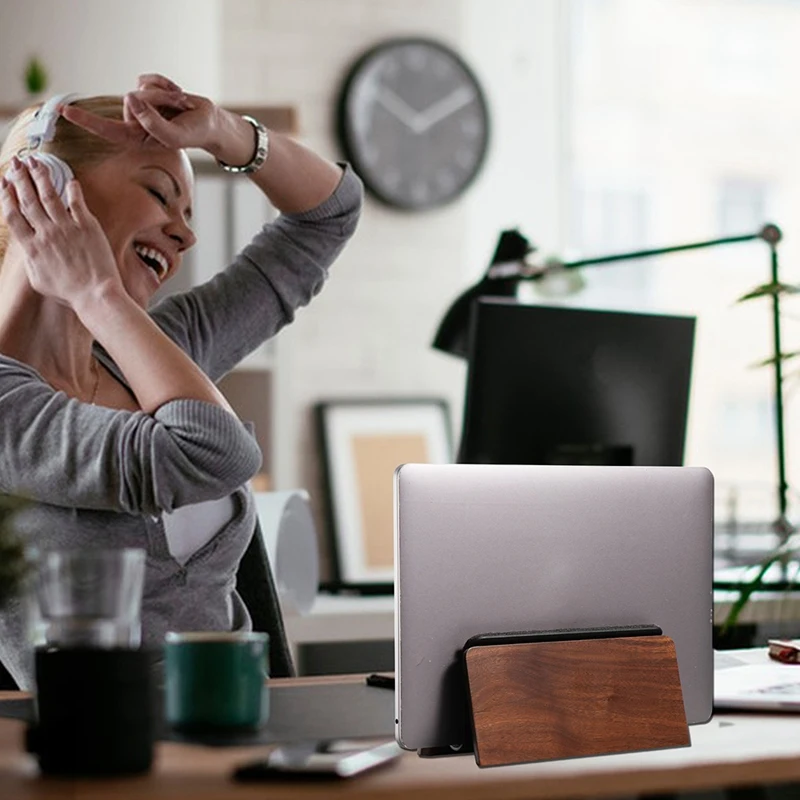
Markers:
(339, 618)
(732, 749)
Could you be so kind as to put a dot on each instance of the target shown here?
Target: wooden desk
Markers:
(731, 750)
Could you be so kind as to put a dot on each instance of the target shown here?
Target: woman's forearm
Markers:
(156, 369)
(294, 178)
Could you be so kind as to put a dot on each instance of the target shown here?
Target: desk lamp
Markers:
(511, 264)
(453, 334)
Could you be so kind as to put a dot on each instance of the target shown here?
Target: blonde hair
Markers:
(78, 147)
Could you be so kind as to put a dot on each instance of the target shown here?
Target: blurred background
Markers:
(615, 125)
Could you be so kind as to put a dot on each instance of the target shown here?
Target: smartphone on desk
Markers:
(330, 759)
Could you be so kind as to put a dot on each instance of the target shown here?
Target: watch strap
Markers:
(261, 151)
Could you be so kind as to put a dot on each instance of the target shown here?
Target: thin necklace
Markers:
(96, 371)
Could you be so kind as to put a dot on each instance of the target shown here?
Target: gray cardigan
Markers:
(101, 477)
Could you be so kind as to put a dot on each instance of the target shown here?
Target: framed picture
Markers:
(362, 443)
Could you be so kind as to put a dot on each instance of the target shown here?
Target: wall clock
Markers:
(414, 123)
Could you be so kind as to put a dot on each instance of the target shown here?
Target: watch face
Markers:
(413, 122)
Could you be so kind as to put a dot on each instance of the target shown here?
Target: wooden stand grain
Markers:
(562, 699)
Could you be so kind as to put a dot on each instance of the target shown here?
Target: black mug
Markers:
(95, 712)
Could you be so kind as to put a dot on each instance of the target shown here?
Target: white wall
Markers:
(369, 332)
(520, 48)
(97, 46)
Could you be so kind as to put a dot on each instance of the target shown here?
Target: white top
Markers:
(191, 527)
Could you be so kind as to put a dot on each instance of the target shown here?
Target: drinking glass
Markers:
(88, 598)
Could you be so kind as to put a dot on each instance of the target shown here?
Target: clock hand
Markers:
(398, 108)
(442, 109)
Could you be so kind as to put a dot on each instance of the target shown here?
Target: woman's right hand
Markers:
(160, 111)
(68, 257)
(67, 254)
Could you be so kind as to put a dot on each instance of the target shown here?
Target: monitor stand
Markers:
(603, 455)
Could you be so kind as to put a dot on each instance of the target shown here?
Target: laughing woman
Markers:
(110, 420)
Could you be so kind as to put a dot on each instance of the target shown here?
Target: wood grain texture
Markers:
(276, 118)
(552, 700)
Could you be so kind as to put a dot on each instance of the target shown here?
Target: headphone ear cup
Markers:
(60, 172)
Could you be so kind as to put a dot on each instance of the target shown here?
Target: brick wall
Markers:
(369, 332)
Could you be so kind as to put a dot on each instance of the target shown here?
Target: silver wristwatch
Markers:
(260, 155)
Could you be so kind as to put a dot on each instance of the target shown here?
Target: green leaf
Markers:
(768, 290)
(783, 357)
(745, 592)
(748, 587)
(35, 76)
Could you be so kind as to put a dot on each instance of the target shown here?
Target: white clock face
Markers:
(414, 123)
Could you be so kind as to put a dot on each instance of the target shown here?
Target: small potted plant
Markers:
(35, 78)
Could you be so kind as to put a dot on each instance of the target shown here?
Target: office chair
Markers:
(256, 586)
(7, 683)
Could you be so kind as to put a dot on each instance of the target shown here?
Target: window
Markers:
(676, 136)
(742, 205)
(607, 220)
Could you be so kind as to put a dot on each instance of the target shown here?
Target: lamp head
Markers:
(453, 333)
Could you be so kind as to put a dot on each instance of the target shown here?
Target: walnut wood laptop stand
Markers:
(570, 697)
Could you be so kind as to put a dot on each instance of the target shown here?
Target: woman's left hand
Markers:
(160, 111)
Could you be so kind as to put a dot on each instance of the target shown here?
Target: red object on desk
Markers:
(785, 651)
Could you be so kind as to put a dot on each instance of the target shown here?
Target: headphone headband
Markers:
(42, 128)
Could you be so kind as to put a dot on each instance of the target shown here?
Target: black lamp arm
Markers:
(523, 271)
(771, 234)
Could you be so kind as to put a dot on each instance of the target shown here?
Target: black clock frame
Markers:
(351, 151)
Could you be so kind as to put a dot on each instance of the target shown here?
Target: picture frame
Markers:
(362, 442)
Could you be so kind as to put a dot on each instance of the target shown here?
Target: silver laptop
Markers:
(485, 548)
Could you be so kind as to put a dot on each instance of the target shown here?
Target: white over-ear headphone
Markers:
(60, 172)
(41, 129)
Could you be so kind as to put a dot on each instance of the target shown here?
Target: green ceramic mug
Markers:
(216, 680)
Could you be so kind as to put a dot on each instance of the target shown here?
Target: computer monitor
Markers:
(558, 385)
